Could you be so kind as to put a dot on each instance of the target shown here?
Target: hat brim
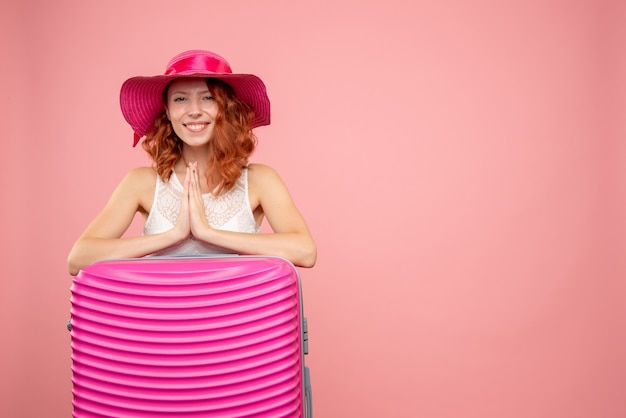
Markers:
(141, 98)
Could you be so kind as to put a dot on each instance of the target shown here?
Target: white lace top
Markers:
(229, 211)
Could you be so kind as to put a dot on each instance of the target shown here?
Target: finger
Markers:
(186, 187)
(196, 183)
(192, 177)
(195, 196)
(196, 178)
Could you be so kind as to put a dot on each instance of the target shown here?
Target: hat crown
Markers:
(197, 61)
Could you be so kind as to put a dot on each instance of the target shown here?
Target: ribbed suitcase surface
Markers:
(187, 337)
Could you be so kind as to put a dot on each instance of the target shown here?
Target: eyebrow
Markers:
(186, 92)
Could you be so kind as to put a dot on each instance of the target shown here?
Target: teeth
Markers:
(195, 126)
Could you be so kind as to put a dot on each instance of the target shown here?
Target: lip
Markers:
(196, 126)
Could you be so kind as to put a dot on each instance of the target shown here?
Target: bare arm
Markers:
(102, 238)
(291, 238)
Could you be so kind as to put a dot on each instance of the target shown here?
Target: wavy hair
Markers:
(230, 147)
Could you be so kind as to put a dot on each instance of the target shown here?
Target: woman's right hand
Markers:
(183, 222)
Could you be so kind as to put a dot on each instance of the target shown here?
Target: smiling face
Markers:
(192, 110)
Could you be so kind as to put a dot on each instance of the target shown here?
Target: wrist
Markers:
(203, 233)
(175, 235)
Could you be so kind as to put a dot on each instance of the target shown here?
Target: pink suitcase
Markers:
(189, 337)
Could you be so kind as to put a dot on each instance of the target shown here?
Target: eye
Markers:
(208, 97)
(178, 99)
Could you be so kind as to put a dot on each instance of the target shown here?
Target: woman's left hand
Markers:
(198, 221)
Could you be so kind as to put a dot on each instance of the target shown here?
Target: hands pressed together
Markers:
(191, 218)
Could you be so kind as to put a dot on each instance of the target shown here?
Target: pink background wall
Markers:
(461, 164)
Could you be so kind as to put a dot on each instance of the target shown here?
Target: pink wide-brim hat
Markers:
(141, 98)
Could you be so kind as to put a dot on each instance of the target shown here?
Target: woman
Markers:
(201, 196)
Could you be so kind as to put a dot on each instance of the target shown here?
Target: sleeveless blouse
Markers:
(230, 211)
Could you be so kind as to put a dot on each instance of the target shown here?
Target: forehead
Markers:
(187, 84)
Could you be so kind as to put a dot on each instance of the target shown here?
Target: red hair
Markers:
(231, 145)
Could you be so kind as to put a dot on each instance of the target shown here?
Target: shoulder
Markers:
(142, 173)
(263, 178)
(140, 176)
(138, 186)
(259, 173)
(138, 180)
(265, 183)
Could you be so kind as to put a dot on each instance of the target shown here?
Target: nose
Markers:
(194, 108)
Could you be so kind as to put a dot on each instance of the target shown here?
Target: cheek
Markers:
(167, 112)
(173, 113)
(174, 119)
(212, 108)
(177, 128)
